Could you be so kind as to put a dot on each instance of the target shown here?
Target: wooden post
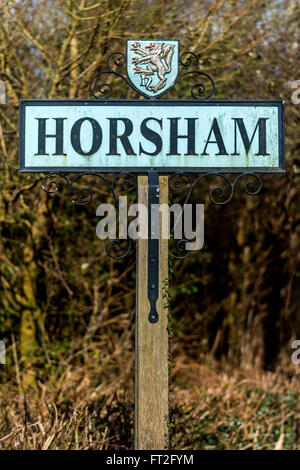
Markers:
(151, 363)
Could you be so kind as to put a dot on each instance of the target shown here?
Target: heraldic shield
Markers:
(152, 66)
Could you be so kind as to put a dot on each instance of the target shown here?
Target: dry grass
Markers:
(212, 408)
(221, 408)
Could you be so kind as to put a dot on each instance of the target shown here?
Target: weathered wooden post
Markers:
(151, 359)
(143, 141)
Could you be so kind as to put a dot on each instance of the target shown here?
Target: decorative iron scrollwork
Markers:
(198, 91)
(100, 89)
(103, 90)
(218, 194)
(119, 249)
(116, 249)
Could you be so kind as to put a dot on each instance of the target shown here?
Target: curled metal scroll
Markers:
(198, 90)
(103, 90)
(100, 89)
(116, 249)
(119, 249)
(218, 195)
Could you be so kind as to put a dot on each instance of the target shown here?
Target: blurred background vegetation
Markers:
(67, 310)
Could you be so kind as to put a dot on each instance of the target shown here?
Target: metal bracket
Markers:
(153, 243)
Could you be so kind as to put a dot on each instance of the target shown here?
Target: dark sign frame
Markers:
(164, 170)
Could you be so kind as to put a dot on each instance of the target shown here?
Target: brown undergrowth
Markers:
(212, 407)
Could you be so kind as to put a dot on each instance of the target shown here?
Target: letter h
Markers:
(59, 150)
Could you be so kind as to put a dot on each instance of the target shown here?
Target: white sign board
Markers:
(139, 135)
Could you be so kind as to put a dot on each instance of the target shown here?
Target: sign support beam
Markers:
(151, 363)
